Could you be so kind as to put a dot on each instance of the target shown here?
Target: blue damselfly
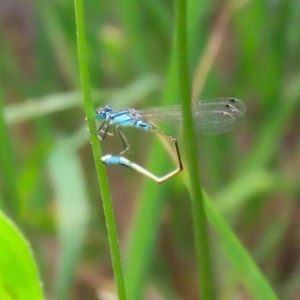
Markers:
(210, 117)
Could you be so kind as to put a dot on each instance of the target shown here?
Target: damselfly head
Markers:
(102, 113)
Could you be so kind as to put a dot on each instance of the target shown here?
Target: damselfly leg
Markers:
(103, 128)
(123, 139)
(178, 157)
(103, 131)
(122, 161)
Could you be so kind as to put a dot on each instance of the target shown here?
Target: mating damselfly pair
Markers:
(210, 117)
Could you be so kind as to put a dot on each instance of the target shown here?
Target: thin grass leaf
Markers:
(203, 256)
(102, 177)
(144, 228)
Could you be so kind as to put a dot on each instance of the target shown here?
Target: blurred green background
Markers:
(48, 185)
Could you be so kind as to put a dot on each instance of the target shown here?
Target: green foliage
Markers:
(19, 278)
(48, 182)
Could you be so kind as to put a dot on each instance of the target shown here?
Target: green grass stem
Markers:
(103, 182)
(206, 282)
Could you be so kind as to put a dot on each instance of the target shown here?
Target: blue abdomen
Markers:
(143, 125)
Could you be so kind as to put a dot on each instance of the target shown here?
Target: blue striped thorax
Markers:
(126, 117)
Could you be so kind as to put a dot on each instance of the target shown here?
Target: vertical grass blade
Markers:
(204, 264)
(103, 182)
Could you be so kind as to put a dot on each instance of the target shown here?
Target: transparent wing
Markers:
(210, 117)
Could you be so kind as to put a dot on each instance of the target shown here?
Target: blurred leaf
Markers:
(128, 95)
(64, 51)
(8, 167)
(19, 278)
(73, 213)
(274, 127)
(239, 257)
(132, 24)
(234, 196)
